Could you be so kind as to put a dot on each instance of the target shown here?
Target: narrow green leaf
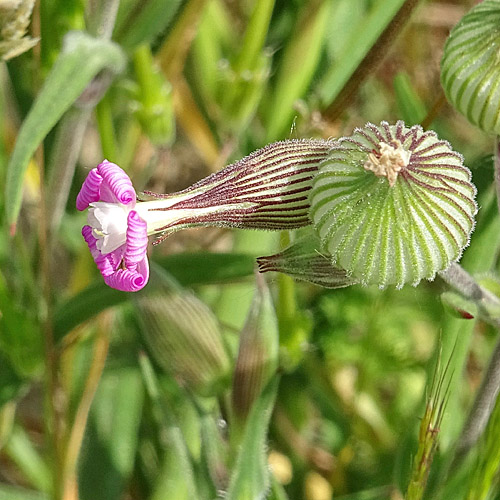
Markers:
(250, 476)
(21, 342)
(255, 35)
(79, 62)
(187, 269)
(206, 268)
(23, 453)
(109, 449)
(298, 66)
(214, 37)
(143, 25)
(363, 36)
(10, 382)
(8, 492)
(92, 300)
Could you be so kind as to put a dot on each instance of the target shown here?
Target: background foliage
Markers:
(105, 395)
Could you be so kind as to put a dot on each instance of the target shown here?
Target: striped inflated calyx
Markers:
(470, 69)
(393, 205)
(268, 189)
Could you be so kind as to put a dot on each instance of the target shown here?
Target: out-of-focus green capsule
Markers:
(258, 352)
(184, 338)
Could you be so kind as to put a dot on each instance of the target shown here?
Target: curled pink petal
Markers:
(137, 240)
(126, 268)
(90, 191)
(129, 281)
(105, 263)
(117, 185)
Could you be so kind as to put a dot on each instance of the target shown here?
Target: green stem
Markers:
(23, 259)
(143, 64)
(497, 169)
(106, 130)
(373, 58)
(286, 308)
(53, 394)
(101, 17)
(255, 35)
(465, 284)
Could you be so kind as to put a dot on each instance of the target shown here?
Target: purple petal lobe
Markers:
(117, 186)
(105, 263)
(129, 281)
(137, 240)
(90, 190)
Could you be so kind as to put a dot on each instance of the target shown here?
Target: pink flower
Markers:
(268, 189)
(116, 235)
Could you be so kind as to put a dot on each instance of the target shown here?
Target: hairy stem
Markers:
(481, 408)
(466, 285)
(487, 394)
(101, 17)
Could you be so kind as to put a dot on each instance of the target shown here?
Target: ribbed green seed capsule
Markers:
(393, 205)
(470, 69)
(184, 338)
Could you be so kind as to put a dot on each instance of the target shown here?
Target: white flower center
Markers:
(390, 162)
(109, 220)
(109, 224)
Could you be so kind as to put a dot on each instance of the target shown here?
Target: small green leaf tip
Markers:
(393, 205)
(470, 73)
